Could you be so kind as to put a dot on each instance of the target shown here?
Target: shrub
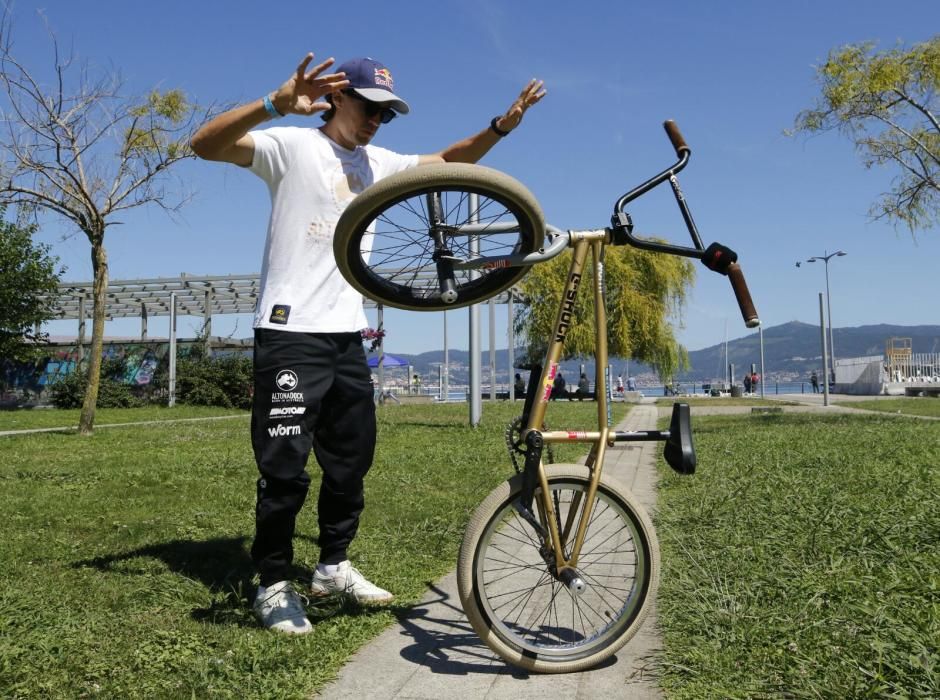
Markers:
(202, 381)
(69, 392)
(215, 381)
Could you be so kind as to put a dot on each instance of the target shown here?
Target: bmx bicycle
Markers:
(559, 564)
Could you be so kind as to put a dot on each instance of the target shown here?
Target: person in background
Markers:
(558, 386)
(584, 387)
(519, 386)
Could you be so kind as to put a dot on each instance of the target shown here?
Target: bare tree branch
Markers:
(80, 148)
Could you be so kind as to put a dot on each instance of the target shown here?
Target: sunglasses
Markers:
(373, 108)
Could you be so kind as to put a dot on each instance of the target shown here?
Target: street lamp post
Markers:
(832, 347)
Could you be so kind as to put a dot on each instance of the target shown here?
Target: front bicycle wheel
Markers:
(523, 612)
(400, 242)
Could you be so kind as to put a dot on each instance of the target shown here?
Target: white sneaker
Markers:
(279, 607)
(348, 581)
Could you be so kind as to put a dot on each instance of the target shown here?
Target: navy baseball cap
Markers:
(373, 81)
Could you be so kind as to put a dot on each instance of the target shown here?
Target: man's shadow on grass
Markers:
(221, 564)
(224, 566)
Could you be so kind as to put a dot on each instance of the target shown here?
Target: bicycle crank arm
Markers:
(529, 517)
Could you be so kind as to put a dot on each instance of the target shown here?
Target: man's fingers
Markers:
(531, 93)
(329, 83)
(319, 68)
(303, 65)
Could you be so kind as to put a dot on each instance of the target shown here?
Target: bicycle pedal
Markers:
(679, 451)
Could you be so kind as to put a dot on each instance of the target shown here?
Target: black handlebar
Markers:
(712, 256)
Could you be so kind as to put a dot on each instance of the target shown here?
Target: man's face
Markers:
(358, 119)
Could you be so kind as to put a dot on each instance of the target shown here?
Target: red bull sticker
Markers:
(384, 77)
(549, 381)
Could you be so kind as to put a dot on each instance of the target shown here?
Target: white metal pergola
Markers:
(205, 296)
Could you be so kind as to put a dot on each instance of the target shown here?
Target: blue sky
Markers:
(732, 74)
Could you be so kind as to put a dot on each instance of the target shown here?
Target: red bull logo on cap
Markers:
(383, 77)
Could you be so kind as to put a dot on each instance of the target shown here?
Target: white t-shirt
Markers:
(311, 180)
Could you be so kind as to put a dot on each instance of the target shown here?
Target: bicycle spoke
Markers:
(534, 609)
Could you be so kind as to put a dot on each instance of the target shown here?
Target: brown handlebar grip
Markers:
(676, 137)
(751, 319)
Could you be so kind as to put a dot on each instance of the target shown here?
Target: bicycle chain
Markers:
(516, 445)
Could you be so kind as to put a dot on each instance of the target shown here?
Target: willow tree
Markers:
(888, 104)
(76, 147)
(644, 291)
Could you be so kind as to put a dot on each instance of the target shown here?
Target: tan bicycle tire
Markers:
(482, 621)
(457, 178)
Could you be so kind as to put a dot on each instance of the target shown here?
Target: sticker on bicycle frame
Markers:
(567, 309)
(576, 434)
(608, 394)
(549, 382)
(495, 265)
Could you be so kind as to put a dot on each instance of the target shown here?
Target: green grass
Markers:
(125, 570)
(912, 406)
(25, 419)
(802, 560)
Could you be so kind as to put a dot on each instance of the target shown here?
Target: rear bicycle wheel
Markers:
(528, 617)
(398, 241)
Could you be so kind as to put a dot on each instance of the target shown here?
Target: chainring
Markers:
(517, 447)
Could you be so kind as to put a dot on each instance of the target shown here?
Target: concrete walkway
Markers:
(433, 652)
(74, 428)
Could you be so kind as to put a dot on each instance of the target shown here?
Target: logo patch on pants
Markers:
(279, 314)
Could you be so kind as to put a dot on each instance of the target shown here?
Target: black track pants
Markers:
(311, 390)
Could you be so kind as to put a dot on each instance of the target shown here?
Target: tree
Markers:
(887, 103)
(643, 290)
(28, 286)
(78, 148)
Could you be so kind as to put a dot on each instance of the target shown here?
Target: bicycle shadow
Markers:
(445, 642)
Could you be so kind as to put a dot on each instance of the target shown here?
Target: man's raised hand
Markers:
(302, 92)
(530, 95)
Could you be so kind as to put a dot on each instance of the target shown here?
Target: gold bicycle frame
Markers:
(557, 537)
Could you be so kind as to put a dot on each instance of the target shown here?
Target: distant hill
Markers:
(790, 350)
(795, 349)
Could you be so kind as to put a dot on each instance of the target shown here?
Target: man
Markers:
(558, 386)
(312, 384)
(584, 387)
(519, 386)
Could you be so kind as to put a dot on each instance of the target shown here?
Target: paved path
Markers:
(74, 428)
(433, 652)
